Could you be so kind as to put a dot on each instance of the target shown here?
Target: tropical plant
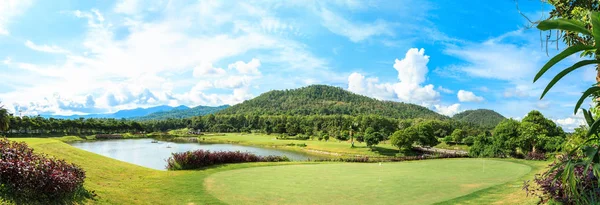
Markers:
(564, 171)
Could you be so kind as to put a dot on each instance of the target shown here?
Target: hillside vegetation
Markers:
(482, 117)
(182, 113)
(327, 100)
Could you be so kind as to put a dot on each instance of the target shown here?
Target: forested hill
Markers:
(326, 100)
(483, 117)
(182, 113)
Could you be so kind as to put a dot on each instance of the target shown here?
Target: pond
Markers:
(154, 155)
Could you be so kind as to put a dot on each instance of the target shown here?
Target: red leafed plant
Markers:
(30, 178)
(203, 158)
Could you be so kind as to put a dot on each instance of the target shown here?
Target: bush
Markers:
(392, 159)
(108, 136)
(203, 158)
(299, 145)
(535, 156)
(549, 186)
(29, 178)
(469, 140)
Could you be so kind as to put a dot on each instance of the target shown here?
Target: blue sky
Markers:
(75, 57)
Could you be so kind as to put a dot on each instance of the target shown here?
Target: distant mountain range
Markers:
(182, 113)
(158, 112)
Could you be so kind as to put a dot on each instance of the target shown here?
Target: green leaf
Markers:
(562, 55)
(588, 117)
(593, 129)
(567, 71)
(590, 152)
(586, 94)
(565, 25)
(595, 16)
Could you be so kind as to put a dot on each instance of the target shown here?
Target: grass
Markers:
(461, 181)
(443, 145)
(313, 146)
(423, 182)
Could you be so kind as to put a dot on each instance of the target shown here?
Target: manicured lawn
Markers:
(313, 146)
(461, 181)
(422, 182)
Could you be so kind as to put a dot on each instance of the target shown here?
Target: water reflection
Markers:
(154, 155)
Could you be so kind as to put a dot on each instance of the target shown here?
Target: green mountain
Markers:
(182, 113)
(327, 100)
(482, 117)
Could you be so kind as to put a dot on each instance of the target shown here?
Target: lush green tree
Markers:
(405, 138)
(577, 138)
(483, 146)
(536, 131)
(427, 136)
(458, 135)
(4, 119)
(506, 136)
(373, 139)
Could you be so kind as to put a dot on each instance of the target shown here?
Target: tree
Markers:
(536, 131)
(458, 135)
(404, 139)
(506, 136)
(427, 135)
(4, 119)
(373, 139)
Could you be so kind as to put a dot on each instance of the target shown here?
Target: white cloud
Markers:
(127, 6)
(246, 68)
(468, 96)
(7, 61)
(207, 70)
(233, 82)
(355, 31)
(570, 123)
(10, 9)
(45, 48)
(449, 110)
(445, 90)
(412, 72)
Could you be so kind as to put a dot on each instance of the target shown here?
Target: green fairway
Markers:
(462, 181)
(422, 182)
(332, 147)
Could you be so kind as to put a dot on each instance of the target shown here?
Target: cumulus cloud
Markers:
(207, 70)
(449, 110)
(246, 68)
(570, 123)
(412, 72)
(468, 96)
(233, 82)
(445, 90)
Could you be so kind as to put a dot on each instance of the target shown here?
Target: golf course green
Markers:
(453, 181)
(417, 182)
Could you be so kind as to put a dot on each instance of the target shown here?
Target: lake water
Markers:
(154, 155)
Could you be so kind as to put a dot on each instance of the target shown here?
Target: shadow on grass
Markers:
(385, 151)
